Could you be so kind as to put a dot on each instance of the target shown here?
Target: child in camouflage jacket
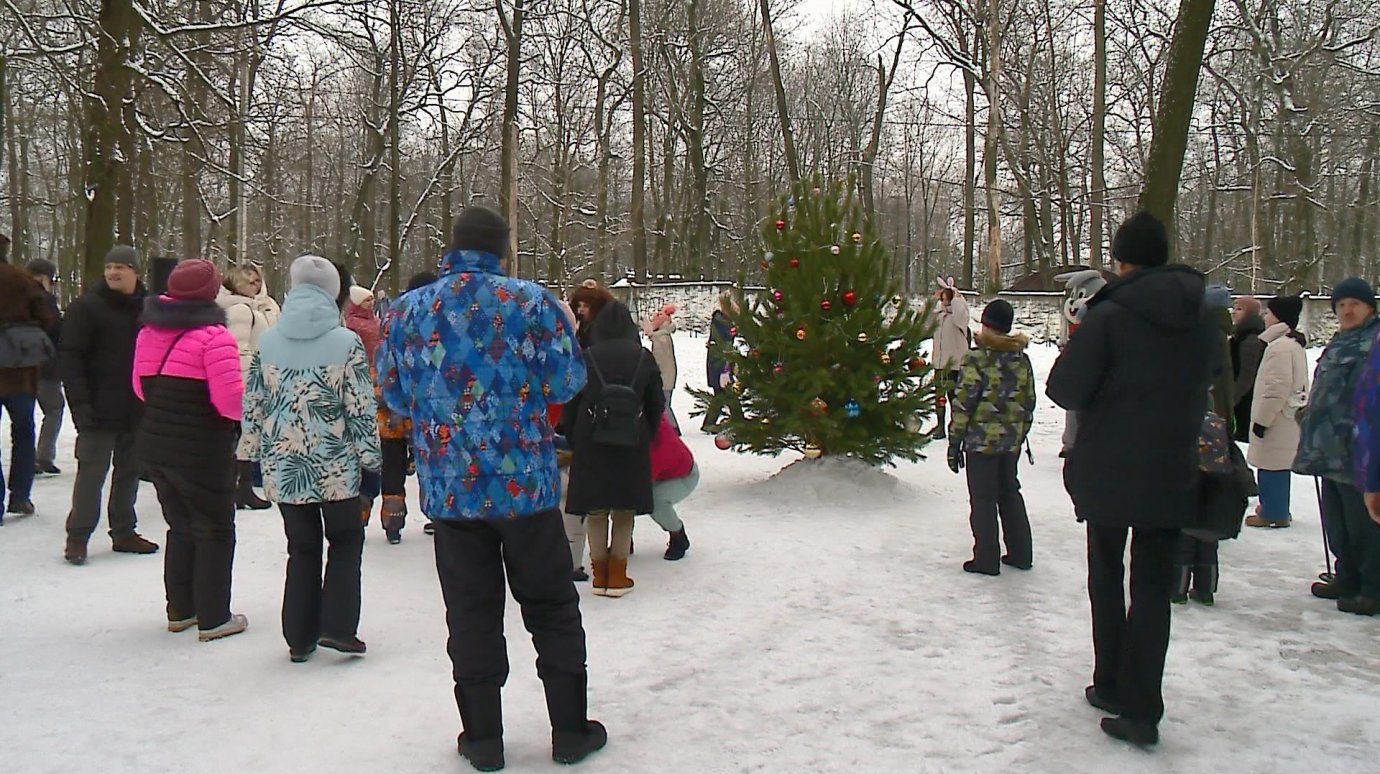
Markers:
(993, 409)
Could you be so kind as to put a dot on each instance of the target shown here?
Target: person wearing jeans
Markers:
(96, 363)
(310, 422)
(24, 318)
(49, 385)
(1280, 378)
(488, 477)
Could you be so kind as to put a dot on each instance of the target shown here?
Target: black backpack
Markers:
(617, 408)
(24, 345)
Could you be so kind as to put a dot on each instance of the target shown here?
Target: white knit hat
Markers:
(315, 270)
(359, 296)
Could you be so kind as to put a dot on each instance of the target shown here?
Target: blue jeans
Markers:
(1274, 494)
(20, 408)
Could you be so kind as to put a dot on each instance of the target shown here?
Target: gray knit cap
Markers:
(315, 270)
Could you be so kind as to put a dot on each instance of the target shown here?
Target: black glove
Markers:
(1259, 430)
(956, 457)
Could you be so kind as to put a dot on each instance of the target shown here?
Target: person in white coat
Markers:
(659, 329)
(1281, 385)
(951, 340)
(249, 313)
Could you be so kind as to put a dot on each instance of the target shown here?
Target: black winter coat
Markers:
(50, 370)
(720, 330)
(1137, 373)
(96, 359)
(603, 477)
(181, 429)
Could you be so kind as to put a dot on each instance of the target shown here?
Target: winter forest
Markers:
(990, 139)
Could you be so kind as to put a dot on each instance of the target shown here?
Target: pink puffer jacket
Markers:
(671, 458)
(207, 353)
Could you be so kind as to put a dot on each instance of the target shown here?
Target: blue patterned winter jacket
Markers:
(309, 406)
(1327, 425)
(474, 359)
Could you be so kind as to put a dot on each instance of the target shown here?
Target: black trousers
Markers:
(994, 493)
(1197, 560)
(200, 550)
(394, 465)
(472, 558)
(312, 608)
(1353, 538)
(1129, 644)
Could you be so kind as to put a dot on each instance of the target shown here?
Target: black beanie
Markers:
(479, 228)
(1286, 309)
(123, 255)
(1141, 241)
(998, 316)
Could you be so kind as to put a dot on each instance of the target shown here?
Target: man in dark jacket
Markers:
(1138, 374)
(473, 359)
(716, 369)
(49, 385)
(96, 363)
(22, 313)
(1246, 352)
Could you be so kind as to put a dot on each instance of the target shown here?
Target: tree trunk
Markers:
(104, 130)
(782, 110)
(1098, 203)
(639, 139)
(9, 157)
(508, 166)
(1175, 113)
(989, 157)
(969, 170)
(394, 255)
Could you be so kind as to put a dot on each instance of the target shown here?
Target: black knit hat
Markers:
(41, 267)
(1353, 287)
(479, 228)
(998, 316)
(1286, 309)
(1141, 241)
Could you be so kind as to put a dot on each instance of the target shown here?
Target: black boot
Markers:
(1204, 584)
(1180, 596)
(942, 431)
(1359, 605)
(481, 715)
(677, 546)
(574, 736)
(1136, 732)
(244, 488)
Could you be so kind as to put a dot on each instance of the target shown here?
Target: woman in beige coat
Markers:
(659, 329)
(1279, 385)
(249, 313)
(951, 340)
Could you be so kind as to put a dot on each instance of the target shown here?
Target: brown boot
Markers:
(75, 552)
(366, 509)
(133, 544)
(619, 582)
(601, 576)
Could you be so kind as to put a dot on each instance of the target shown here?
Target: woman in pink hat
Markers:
(187, 373)
(659, 330)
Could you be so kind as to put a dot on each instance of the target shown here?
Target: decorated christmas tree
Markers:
(826, 360)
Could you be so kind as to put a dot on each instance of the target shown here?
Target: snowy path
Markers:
(817, 625)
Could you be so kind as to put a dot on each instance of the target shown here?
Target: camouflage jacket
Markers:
(994, 402)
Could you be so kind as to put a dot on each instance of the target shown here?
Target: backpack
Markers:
(24, 345)
(617, 410)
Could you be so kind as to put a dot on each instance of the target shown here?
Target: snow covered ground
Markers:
(820, 623)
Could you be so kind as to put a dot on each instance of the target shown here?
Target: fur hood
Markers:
(1001, 342)
(169, 312)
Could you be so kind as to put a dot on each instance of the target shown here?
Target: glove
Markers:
(955, 457)
(1258, 430)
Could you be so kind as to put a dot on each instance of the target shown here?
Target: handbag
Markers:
(24, 345)
(1214, 446)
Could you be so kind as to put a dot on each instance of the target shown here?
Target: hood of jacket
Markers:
(1001, 342)
(227, 298)
(169, 312)
(614, 323)
(1254, 324)
(478, 261)
(308, 313)
(1164, 296)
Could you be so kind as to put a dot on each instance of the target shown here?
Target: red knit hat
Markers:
(194, 279)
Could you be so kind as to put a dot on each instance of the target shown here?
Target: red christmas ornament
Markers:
(780, 225)
(826, 305)
(733, 331)
(765, 265)
(723, 440)
(795, 263)
(849, 298)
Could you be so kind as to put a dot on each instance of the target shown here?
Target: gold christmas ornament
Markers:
(857, 237)
(766, 420)
(886, 358)
(813, 452)
(819, 406)
(862, 338)
(800, 334)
